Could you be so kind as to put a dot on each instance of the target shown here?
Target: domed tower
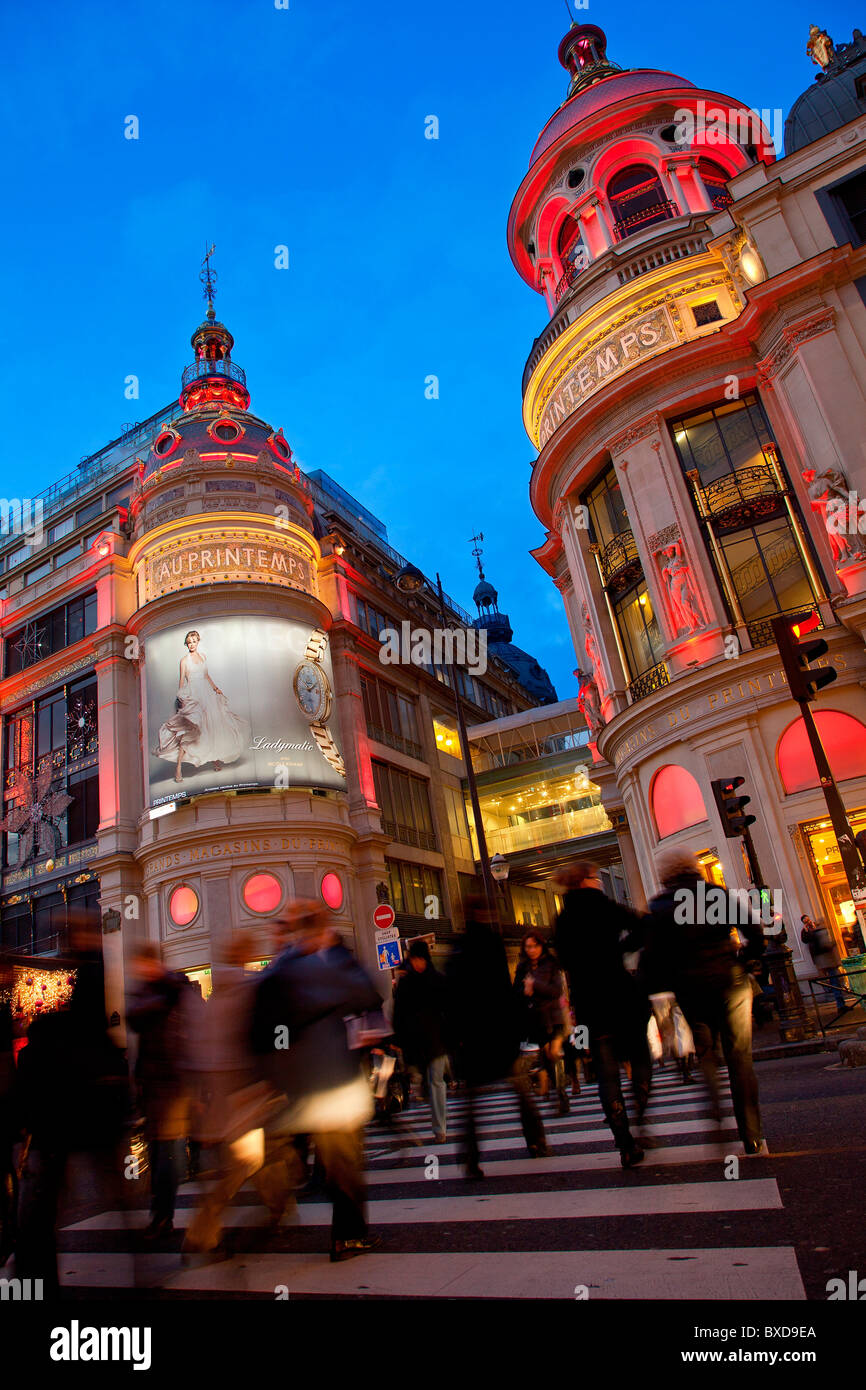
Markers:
(241, 693)
(528, 670)
(680, 405)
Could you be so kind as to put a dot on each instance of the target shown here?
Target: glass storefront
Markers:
(826, 861)
(530, 810)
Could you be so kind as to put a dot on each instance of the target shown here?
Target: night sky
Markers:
(262, 127)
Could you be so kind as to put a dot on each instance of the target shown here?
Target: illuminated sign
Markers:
(189, 561)
(602, 361)
(239, 702)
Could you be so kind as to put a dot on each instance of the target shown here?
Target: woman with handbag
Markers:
(538, 994)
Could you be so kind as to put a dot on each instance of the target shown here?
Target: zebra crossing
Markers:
(687, 1224)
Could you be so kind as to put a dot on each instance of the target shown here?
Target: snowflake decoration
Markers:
(81, 727)
(29, 645)
(34, 818)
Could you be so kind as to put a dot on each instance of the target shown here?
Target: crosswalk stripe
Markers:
(750, 1194)
(724, 1273)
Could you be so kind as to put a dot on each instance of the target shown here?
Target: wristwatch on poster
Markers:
(315, 698)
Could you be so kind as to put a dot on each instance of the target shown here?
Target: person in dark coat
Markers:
(706, 969)
(160, 1009)
(71, 1098)
(538, 991)
(300, 1037)
(420, 1026)
(592, 934)
(486, 1029)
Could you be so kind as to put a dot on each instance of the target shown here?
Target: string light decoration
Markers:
(34, 992)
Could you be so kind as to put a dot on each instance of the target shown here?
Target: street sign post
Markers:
(384, 915)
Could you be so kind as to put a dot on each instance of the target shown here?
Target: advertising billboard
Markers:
(239, 702)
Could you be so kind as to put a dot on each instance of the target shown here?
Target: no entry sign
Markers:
(384, 915)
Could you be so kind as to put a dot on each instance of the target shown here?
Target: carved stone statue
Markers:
(820, 47)
(828, 495)
(676, 575)
(591, 649)
(589, 704)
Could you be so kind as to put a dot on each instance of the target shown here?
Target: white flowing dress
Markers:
(204, 728)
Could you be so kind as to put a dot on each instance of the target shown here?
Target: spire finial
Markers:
(208, 279)
(474, 541)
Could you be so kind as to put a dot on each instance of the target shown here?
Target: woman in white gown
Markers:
(204, 729)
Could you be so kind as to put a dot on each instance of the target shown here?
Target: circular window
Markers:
(165, 443)
(263, 893)
(669, 134)
(332, 892)
(576, 177)
(279, 446)
(226, 431)
(183, 905)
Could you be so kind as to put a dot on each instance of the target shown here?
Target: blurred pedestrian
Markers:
(592, 935)
(160, 1009)
(701, 963)
(72, 1104)
(538, 990)
(486, 1029)
(300, 1036)
(238, 1114)
(421, 1025)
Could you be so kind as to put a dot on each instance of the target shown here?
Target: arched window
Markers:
(844, 740)
(715, 182)
(637, 199)
(568, 235)
(676, 800)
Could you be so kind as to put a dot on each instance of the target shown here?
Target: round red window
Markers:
(183, 905)
(279, 446)
(225, 430)
(165, 443)
(263, 893)
(332, 892)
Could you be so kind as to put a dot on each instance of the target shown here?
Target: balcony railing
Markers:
(547, 830)
(619, 558)
(657, 212)
(742, 497)
(572, 273)
(761, 632)
(205, 368)
(402, 745)
(408, 835)
(651, 681)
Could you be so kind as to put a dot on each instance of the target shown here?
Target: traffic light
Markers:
(732, 807)
(797, 656)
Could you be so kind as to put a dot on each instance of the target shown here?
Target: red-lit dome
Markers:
(607, 91)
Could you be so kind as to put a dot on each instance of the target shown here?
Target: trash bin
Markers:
(855, 968)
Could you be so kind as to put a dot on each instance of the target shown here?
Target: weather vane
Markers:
(474, 541)
(208, 279)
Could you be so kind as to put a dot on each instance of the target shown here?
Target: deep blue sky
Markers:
(261, 126)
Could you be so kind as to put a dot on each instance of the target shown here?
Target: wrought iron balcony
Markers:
(740, 498)
(572, 272)
(656, 212)
(620, 562)
(396, 741)
(761, 632)
(205, 368)
(649, 682)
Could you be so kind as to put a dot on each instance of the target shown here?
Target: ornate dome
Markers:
(607, 91)
(485, 596)
(834, 98)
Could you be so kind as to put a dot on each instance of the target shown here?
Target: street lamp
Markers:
(410, 580)
(499, 868)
